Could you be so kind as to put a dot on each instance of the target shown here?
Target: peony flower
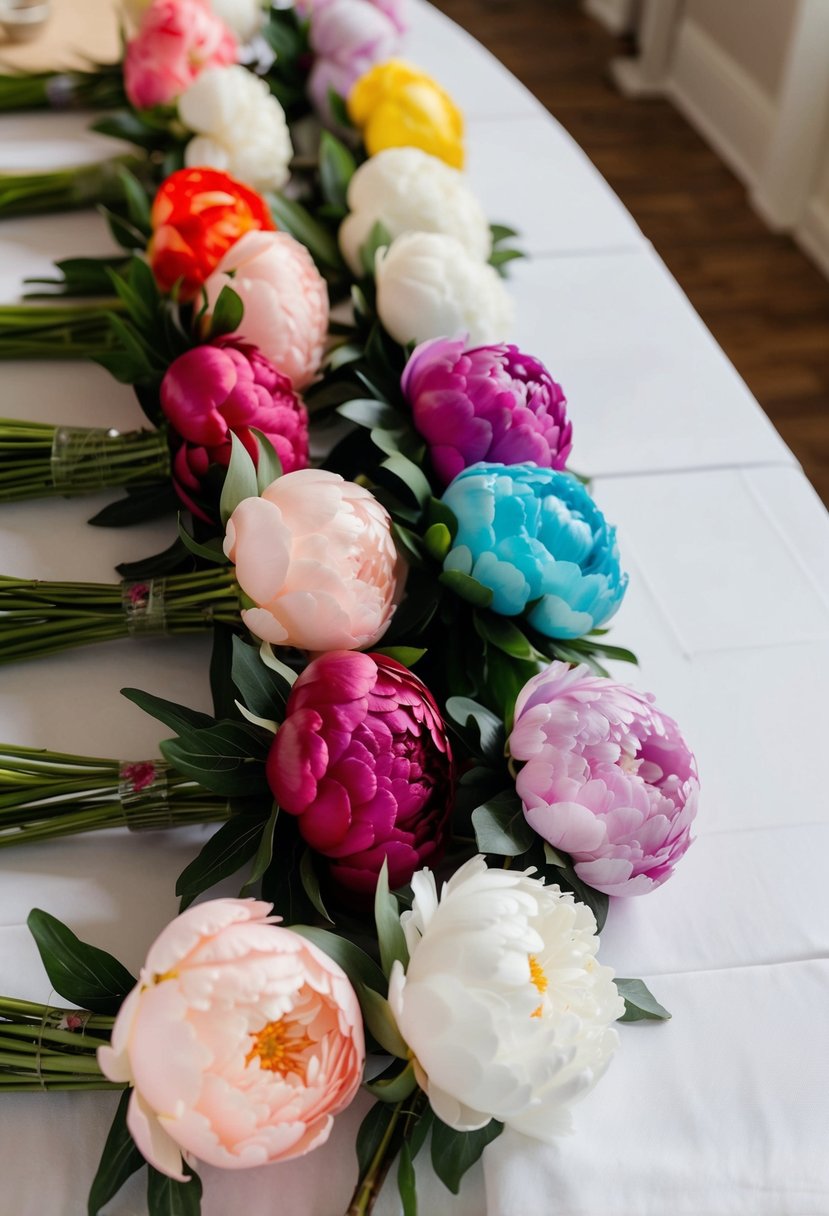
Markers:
(363, 759)
(196, 216)
(347, 38)
(538, 541)
(175, 42)
(285, 300)
(242, 17)
(211, 392)
(396, 105)
(503, 1003)
(315, 554)
(240, 127)
(241, 1041)
(395, 10)
(407, 190)
(609, 778)
(492, 403)
(429, 286)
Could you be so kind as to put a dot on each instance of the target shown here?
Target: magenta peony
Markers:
(316, 556)
(211, 392)
(241, 1041)
(364, 760)
(492, 403)
(285, 300)
(609, 779)
(176, 40)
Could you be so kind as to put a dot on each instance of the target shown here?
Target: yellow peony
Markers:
(395, 105)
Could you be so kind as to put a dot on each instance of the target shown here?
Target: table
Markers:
(724, 1109)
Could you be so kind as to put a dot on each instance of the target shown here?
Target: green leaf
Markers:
(466, 587)
(406, 1182)
(500, 826)
(82, 974)
(403, 476)
(240, 480)
(380, 1022)
(282, 669)
(501, 632)
(437, 512)
(438, 541)
(311, 884)
(370, 413)
(177, 717)
(370, 1136)
(390, 936)
(227, 314)
(502, 257)
(225, 852)
(221, 685)
(264, 853)
(211, 551)
(454, 1152)
(378, 238)
(337, 167)
(486, 730)
(138, 204)
(293, 218)
(421, 1130)
(640, 1003)
(596, 901)
(339, 110)
(227, 758)
(119, 1160)
(553, 857)
(142, 503)
(500, 232)
(263, 690)
(167, 1197)
(407, 655)
(360, 968)
(393, 1086)
(268, 464)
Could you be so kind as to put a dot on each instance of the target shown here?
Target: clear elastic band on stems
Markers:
(82, 449)
(60, 92)
(144, 606)
(144, 795)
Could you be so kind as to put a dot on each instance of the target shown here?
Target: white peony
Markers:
(240, 127)
(430, 286)
(407, 190)
(242, 17)
(503, 1003)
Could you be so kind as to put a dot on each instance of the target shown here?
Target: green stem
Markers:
(405, 1116)
(65, 189)
(99, 87)
(58, 331)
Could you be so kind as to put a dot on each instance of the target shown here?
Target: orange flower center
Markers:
(539, 981)
(279, 1046)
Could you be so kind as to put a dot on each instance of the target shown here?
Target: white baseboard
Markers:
(615, 15)
(721, 100)
(812, 233)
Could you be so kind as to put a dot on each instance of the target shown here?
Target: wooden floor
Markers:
(765, 302)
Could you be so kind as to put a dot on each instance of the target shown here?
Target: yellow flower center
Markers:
(539, 981)
(279, 1046)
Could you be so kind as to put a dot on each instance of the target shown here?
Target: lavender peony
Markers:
(363, 760)
(608, 778)
(491, 403)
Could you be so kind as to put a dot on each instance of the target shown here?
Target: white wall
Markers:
(754, 33)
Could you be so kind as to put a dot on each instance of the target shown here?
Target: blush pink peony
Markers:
(241, 1041)
(608, 778)
(363, 759)
(316, 556)
(176, 40)
(285, 300)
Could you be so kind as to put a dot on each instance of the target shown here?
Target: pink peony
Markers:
(492, 403)
(609, 779)
(348, 37)
(212, 391)
(364, 760)
(285, 300)
(241, 1041)
(175, 41)
(315, 554)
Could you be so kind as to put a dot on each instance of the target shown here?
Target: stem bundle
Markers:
(97, 88)
(42, 1048)
(66, 331)
(64, 189)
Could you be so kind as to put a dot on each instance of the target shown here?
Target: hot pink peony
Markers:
(364, 760)
(315, 554)
(492, 403)
(241, 1041)
(175, 41)
(609, 779)
(212, 391)
(285, 300)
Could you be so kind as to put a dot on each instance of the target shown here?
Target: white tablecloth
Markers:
(724, 1109)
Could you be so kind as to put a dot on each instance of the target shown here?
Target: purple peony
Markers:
(608, 778)
(227, 387)
(364, 761)
(492, 403)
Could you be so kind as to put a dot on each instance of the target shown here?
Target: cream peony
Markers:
(315, 554)
(240, 127)
(285, 300)
(503, 1003)
(407, 190)
(241, 1041)
(430, 286)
